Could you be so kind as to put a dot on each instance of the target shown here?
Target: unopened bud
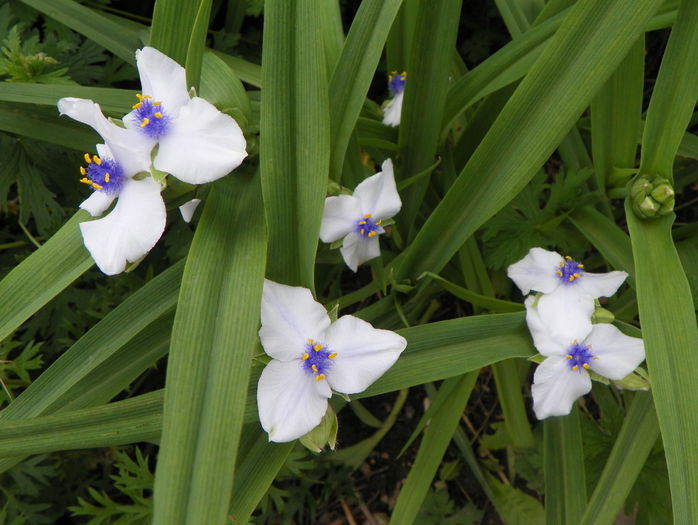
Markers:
(651, 196)
(323, 434)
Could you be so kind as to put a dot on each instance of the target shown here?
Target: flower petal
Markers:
(290, 316)
(130, 230)
(290, 402)
(378, 194)
(201, 145)
(363, 353)
(163, 79)
(129, 148)
(188, 208)
(96, 203)
(536, 271)
(393, 111)
(357, 250)
(556, 387)
(339, 217)
(601, 284)
(618, 354)
(542, 339)
(566, 314)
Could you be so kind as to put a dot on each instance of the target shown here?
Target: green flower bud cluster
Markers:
(651, 196)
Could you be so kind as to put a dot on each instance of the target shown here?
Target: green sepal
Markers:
(602, 316)
(323, 434)
(634, 381)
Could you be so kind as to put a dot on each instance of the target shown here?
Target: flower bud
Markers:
(323, 434)
(651, 196)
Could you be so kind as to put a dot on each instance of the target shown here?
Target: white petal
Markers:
(357, 250)
(556, 387)
(536, 271)
(130, 230)
(378, 194)
(339, 217)
(188, 208)
(618, 354)
(96, 203)
(129, 148)
(290, 316)
(201, 145)
(393, 111)
(544, 342)
(363, 353)
(566, 313)
(289, 400)
(601, 284)
(163, 79)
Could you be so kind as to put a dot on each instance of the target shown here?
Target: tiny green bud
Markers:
(651, 196)
(323, 434)
(648, 207)
(633, 381)
(662, 193)
(601, 315)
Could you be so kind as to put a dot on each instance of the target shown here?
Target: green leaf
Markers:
(115, 101)
(514, 506)
(197, 44)
(173, 26)
(213, 337)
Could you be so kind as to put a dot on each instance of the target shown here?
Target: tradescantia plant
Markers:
(441, 167)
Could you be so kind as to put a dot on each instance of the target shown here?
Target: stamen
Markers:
(568, 356)
(83, 171)
(562, 265)
(87, 158)
(568, 257)
(379, 222)
(85, 180)
(571, 278)
(145, 122)
(156, 103)
(158, 115)
(362, 231)
(586, 366)
(106, 177)
(576, 275)
(137, 106)
(362, 222)
(575, 367)
(317, 347)
(96, 186)
(558, 272)
(97, 160)
(314, 367)
(594, 356)
(319, 377)
(580, 266)
(367, 216)
(332, 355)
(305, 356)
(371, 234)
(139, 96)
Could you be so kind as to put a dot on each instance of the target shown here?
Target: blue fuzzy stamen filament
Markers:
(396, 82)
(102, 174)
(569, 270)
(579, 356)
(152, 119)
(367, 227)
(317, 359)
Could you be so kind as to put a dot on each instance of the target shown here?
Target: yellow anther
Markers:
(589, 347)
(577, 275)
(137, 106)
(371, 234)
(85, 180)
(332, 355)
(586, 366)
(575, 367)
(96, 160)
(580, 266)
(568, 357)
(568, 257)
(558, 272)
(314, 367)
(87, 158)
(318, 377)
(156, 103)
(562, 264)
(574, 342)
(83, 171)
(362, 231)
(362, 222)
(106, 177)
(594, 357)
(571, 278)
(145, 122)
(317, 347)
(305, 356)
(147, 96)
(139, 96)
(378, 222)
(158, 115)
(96, 186)
(310, 341)
(367, 216)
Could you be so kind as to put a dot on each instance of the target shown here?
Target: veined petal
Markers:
(566, 313)
(290, 402)
(163, 79)
(356, 250)
(544, 342)
(601, 284)
(556, 387)
(290, 316)
(617, 353)
(129, 148)
(536, 271)
(393, 111)
(188, 208)
(378, 193)
(339, 217)
(363, 353)
(96, 203)
(130, 230)
(201, 145)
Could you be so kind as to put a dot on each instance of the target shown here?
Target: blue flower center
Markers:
(102, 174)
(153, 119)
(396, 82)
(317, 359)
(367, 227)
(579, 356)
(570, 270)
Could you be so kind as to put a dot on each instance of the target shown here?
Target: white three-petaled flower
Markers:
(569, 291)
(358, 217)
(310, 357)
(572, 350)
(393, 108)
(197, 144)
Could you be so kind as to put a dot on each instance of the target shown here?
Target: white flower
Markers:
(569, 291)
(571, 351)
(188, 208)
(310, 357)
(358, 217)
(197, 143)
(393, 108)
(138, 219)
